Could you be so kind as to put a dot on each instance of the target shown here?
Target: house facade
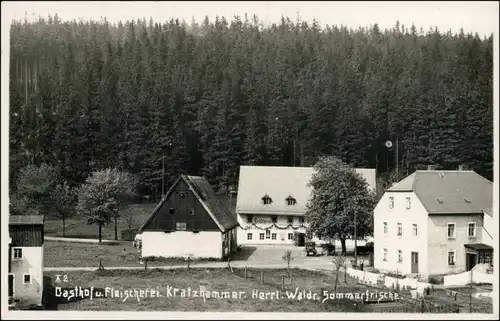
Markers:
(26, 259)
(432, 223)
(190, 220)
(271, 203)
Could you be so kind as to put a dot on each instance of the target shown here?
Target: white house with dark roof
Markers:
(271, 203)
(25, 285)
(435, 223)
(190, 221)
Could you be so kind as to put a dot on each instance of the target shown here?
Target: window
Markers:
(391, 202)
(191, 211)
(451, 230)
(290, 236)
(302, 219)
(291, 201)
(290, 219)
(268, 234)
(26, 279)
(17, 253)
(385, 227)
(249, 218)
(171, 211)
(485, 257)
(266, 200)
(408, 203)
(180, 226)
(451, 258)
(400, 256)
(385, 255)
(261, 236)
(415, 230)
(400, 229)
(471, 229)
(273, 236)
(274, 218)
(249, 236)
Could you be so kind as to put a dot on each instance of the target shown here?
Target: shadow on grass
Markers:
(243, 254)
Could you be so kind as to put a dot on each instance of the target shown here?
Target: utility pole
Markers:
(470, 293)
(163, 176)
(355, 240)
(397, 157)
(294, 143)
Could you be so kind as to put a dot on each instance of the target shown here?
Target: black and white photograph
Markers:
(249, 160)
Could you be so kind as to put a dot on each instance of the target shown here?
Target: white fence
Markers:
(465, 278)
(369, 278)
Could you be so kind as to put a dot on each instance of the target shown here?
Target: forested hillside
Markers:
(213, 95)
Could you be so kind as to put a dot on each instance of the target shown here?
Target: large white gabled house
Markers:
(435, 222)
(271, 203)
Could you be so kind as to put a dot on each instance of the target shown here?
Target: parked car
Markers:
(310, 249)
(365, 249)
(328, 249)
(138, 241)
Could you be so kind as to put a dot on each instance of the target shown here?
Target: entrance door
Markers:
(471, 261)
(302, 239)
(414, 262)
(11, 285)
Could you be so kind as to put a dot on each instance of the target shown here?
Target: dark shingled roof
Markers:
(449, 192)
(26, 219)
(217, 208)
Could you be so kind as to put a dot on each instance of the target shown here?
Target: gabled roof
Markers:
(279, 183)
(26, 219)
(449, 192)
(216, 208)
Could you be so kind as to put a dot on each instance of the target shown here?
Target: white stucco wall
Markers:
(182, 243)
(281, 234)
(407, 242)
(440, 244)
(31, 263)
(490, 230)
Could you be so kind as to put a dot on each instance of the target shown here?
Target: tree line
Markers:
(98, 201)
(206, 97)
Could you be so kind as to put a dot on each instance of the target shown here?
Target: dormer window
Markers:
(290, 201)
(266, 200)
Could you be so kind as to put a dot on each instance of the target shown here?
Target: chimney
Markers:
(431, 167)
(462, 167)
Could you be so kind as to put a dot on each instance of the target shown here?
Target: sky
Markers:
(472, 16)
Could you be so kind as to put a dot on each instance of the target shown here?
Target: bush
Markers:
(436, 280)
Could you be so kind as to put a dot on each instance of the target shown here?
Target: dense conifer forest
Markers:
(206, 97)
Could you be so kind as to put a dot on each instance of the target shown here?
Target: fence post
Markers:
(422, 306)
(262, 277)
(145, 264)
(246, 275)
(188, 261)
(397, 280)
(282, 283)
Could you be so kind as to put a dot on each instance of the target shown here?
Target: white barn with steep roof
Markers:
(272, 200)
